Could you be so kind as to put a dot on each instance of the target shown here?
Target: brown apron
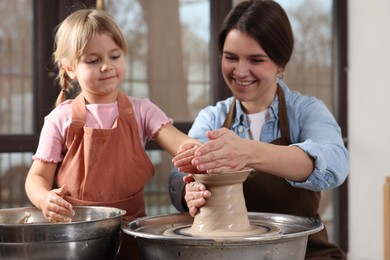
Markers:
(106, 167)
(280, 197)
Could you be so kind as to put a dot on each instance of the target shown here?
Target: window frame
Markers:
(47, 15)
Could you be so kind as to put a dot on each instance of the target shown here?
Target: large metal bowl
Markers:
(289, 243)
(94, 233)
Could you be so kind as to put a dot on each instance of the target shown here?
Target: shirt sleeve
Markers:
(176, 190)
(52, 137)
(150, 118)
(316, 132)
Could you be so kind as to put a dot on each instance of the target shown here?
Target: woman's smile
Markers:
(245, 84)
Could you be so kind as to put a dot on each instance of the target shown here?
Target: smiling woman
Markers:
(294, 157)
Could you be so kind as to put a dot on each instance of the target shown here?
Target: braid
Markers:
(65, 83)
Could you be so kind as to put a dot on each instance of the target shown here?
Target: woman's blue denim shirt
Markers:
(312, 128)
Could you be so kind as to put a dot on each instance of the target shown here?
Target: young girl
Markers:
(92, 147)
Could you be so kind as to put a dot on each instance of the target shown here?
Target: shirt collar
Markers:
(273, 110)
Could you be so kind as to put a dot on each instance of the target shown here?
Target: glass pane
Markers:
(156, 191)
(13, 171)
(310, 68)
(168, 59)
(15, 67)
(168, 62)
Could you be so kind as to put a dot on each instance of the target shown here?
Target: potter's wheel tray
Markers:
(286, 240)
(275, 227)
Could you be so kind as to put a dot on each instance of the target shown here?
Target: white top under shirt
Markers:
(256, 122)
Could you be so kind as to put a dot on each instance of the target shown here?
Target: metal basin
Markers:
(290, 243)
(94, 233)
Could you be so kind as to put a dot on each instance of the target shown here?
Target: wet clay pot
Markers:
(225, 212)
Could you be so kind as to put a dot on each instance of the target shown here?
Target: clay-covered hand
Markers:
(184, 156)
(55, 208)
(224, 152)
(195, 194)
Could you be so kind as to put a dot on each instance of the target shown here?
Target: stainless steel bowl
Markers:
(289, 243)
(94, 233)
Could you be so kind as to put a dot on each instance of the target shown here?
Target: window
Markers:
(168, 64)
(16, 92)
(15, 68)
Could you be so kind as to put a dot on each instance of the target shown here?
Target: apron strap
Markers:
(124, 106)
(78, 119)
(229, 117)
(78, 111)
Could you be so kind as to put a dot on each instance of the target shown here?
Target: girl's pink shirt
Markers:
(150, 119)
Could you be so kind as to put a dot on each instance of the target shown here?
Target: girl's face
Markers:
(100, 69)
(248, 71)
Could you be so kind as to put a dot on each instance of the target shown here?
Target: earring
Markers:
(280, 75)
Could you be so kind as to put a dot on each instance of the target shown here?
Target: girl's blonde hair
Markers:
(73, 34)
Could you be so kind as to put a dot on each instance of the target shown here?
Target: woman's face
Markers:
(248, 71)
(100, 69)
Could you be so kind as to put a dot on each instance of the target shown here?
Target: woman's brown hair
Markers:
(266, 22)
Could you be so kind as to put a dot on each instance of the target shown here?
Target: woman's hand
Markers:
(184, 156)
(224, 152)
(55, 208)
(195, 194)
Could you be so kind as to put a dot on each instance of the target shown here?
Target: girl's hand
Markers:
(184, 156)
(195, 194)
(55, 208)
